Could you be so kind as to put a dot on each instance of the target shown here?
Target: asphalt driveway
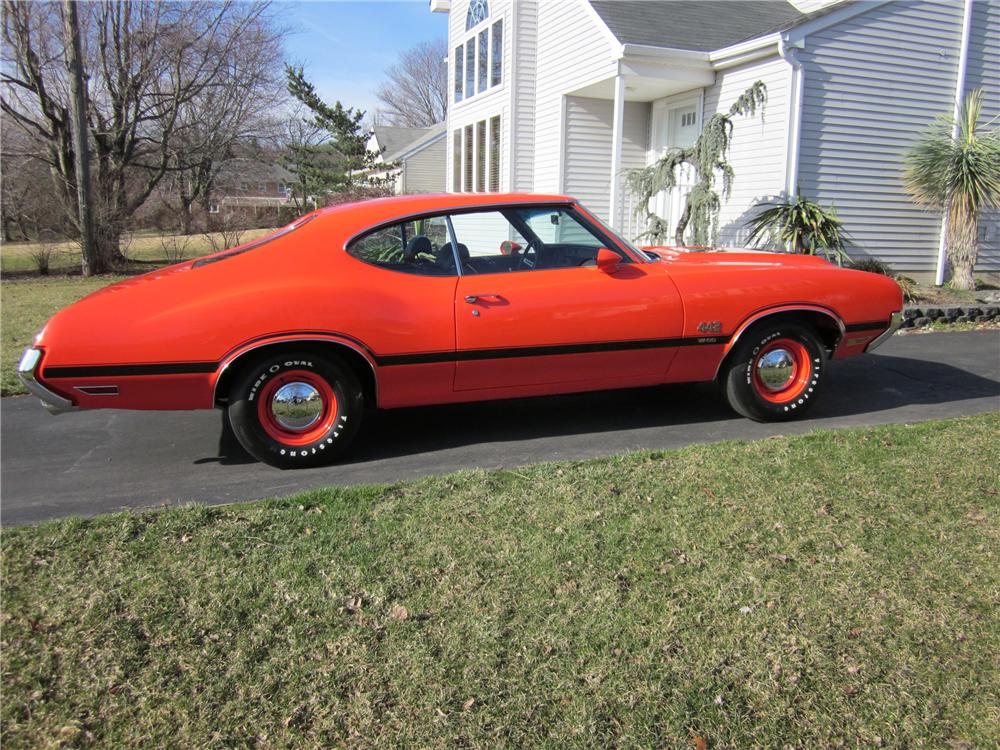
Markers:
(101, 461)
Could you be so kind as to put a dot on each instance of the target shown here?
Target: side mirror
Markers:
(607, 260)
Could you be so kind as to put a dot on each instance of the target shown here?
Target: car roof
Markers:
(377, 210)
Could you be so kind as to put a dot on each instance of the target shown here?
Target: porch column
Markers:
(617, 123)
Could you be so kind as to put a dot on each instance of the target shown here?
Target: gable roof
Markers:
(392, 139)
(252, 170)
(700, 25)
(430, 135)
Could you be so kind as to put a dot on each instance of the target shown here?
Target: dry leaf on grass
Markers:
(398, 612)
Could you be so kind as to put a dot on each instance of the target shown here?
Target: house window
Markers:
(479, 62)
(495, 154)
(476, 159)
(456, 159)
(467, 170)
(470, 67)
(688, 119)
(496, 53)
(481, 156)
(213, 208)
(245, 187)
(483, 61)
(263, 187)
(478, 12)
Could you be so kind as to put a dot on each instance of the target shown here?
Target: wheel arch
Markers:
(353, 353)
(824, 321)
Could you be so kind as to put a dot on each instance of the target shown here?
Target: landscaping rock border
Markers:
(918, 316)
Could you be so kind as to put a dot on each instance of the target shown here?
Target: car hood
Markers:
(736, 258)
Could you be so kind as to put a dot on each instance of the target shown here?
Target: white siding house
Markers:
(417, 157)
(579, 91)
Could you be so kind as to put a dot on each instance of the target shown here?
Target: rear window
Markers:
(416, 246)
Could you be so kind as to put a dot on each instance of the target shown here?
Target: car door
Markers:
(406, 276)
(533, 308)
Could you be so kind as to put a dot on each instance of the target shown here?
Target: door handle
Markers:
(474, 298)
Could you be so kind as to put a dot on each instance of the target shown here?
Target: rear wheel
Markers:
(775, 372)
(296, 409)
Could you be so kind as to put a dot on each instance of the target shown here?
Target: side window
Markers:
(418, 246)
(489, 243)
(525, 239)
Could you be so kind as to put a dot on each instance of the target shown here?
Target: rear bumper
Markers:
(895, 321)
(53, 402)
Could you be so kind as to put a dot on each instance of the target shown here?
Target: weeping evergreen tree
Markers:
(709, 159)
(960, 173)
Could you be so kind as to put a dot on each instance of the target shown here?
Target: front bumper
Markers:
(53, 402)
(895, 321)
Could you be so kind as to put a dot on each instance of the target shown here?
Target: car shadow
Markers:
(856, 386)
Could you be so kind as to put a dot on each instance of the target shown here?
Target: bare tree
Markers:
(27, 198)
(236, 111)
(146, 63)
(416, 94)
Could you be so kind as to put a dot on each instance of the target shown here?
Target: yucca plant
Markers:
(804, 224)
(958, 169)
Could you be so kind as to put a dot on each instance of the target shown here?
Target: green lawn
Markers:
(144, 247)
(27, 304)
(839, 589)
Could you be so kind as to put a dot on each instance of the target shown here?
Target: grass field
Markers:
(839, 589)
(146, 248)
(27, 304)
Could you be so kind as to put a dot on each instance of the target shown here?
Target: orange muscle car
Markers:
(436, 299)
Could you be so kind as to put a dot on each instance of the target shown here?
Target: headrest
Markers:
(418, 245)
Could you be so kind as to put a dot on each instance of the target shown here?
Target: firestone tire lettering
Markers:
(323, 448)
(742, 392)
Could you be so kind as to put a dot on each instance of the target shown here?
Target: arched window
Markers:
(479, 10)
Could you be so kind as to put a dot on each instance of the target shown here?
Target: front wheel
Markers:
(775, 372)
(296, 409)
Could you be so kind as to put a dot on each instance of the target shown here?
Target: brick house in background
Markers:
(253, 189)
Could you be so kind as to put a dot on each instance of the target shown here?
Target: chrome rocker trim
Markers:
(53, 402)
(895, 321)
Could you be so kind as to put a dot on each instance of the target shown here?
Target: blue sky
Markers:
(345, 46)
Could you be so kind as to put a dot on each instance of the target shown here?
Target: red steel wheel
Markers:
(297, 407)
(782, 371)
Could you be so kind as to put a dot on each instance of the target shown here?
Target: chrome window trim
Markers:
(414, 215)
(454, 245)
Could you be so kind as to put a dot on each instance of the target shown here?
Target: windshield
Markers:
(617, 235)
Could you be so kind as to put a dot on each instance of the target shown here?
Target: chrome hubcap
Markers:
(776, 369)
(297, 406)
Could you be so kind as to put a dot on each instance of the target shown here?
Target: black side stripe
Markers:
(871, 326)
(191, 368)
(473, 355)
(101, 371)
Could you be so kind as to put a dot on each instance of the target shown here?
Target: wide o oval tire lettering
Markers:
(741, 381)
(264, 438)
